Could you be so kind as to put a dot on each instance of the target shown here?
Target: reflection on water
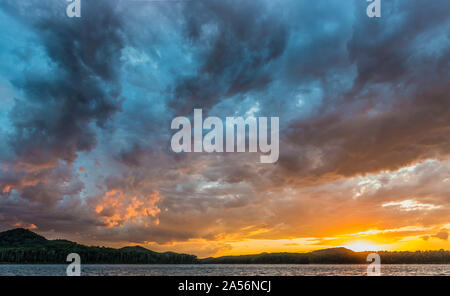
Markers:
(222, 270)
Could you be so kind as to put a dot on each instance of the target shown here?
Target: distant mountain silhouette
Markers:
(24, 246)
(136, 249)
(20, 237)
(334, 256)
(328, 256)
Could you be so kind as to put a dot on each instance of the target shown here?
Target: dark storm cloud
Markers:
(237, 42)
(398, 109)
(383, 51)
(53, 122)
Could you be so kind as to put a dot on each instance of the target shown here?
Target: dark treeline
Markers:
(418, 257)
(24, 246)
(328, 256)
(93, 255)
(335, 256)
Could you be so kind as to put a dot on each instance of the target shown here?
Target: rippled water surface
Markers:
(222, 270)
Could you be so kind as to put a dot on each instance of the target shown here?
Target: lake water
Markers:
(222, 270)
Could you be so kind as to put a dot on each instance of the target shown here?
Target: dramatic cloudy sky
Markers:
(364, 107)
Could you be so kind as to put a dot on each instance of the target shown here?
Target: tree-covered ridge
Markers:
(335, 256)
(24, 246)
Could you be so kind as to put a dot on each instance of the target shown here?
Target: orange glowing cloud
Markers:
(6, 189)
(116, 207)
(23, 225)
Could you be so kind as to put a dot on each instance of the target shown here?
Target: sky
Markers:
(86, 106)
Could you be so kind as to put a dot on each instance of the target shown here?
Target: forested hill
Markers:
(335, 256)
(24, 246)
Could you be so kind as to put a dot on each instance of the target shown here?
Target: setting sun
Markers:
(361, 246)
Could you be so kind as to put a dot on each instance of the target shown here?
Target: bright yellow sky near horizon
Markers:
(373, 240)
